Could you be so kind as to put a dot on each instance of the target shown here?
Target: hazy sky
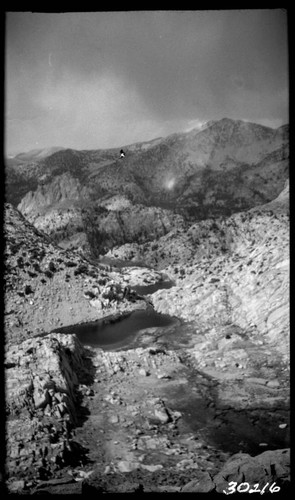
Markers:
(106, 79)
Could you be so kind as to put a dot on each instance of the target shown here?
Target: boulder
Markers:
(204, 484)
(268, 467)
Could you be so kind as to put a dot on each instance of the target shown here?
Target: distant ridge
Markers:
(40, 153)
(37, 154)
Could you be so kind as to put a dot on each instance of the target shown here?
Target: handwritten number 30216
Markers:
(245, 487)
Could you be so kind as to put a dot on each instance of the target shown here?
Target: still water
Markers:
(119, 333)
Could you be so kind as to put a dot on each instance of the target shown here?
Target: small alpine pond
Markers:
(117, 333)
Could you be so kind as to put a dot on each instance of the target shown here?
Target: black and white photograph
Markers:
(146, 252)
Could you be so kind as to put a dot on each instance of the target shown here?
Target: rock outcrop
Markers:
(68, 212)
(42, 404)
(231, 270)
(268, 472)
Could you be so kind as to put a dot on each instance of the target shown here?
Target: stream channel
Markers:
(229, 430)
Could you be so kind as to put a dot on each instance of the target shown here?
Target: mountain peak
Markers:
(230, 122)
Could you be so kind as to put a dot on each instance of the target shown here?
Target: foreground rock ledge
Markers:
(47, 380)
(42, 402)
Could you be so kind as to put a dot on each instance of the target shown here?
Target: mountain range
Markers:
(93, 199)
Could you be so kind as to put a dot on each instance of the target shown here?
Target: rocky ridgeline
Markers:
(47, 287)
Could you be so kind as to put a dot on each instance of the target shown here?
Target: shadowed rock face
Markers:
(80, 197)
(63, 209)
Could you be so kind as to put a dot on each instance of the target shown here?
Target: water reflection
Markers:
(117, 333)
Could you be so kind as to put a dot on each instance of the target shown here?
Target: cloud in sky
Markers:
(106, 79)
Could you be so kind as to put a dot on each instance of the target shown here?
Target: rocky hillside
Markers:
(64, 210)
(48, 287)
(238, 266)
(225, 167)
